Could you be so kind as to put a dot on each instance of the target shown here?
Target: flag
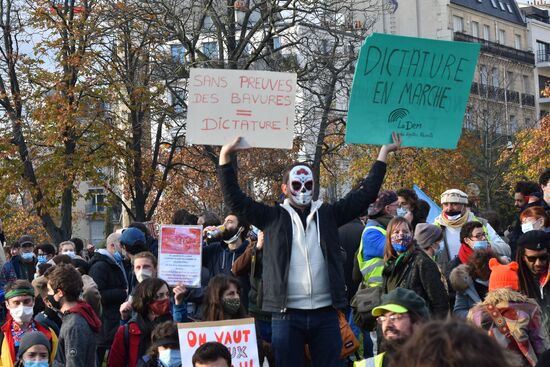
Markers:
(435, 210)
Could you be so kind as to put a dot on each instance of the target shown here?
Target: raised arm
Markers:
(253, 212)
(357, 201)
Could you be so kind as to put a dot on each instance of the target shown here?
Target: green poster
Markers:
(415, 86)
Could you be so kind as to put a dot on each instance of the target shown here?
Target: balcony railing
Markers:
(528, 100)
(497, 94)
(497, 49)
(543, 56)
(94, 209)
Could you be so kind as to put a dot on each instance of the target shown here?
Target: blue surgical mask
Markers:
(401, 212)
(27, 256)
(480, 245)
(170, 357)
(42, 259)
(70, 254)
(36, 363)
(399, 248)
(118, 256)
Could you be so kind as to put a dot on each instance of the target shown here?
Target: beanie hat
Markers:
(384, 198)
(132, 235)
(534, 240)
(427, 234)
(454, 196)
(503, 276)
(31, 339)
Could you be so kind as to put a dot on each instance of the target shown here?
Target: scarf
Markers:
(457, 223)
(464, 253)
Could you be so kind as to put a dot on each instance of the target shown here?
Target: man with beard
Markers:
(456, 214)
(401, 312)
(218, 256)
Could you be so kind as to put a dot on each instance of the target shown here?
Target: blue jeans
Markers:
(317, 328)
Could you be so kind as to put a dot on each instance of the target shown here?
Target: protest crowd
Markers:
(364, 281)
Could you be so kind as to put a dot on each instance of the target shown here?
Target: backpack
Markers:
(362, 304)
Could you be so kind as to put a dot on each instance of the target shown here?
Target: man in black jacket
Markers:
(303, 269)
(107, 271)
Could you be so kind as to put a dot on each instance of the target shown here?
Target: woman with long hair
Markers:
(222, 300)
(151, 305)
(409, 267)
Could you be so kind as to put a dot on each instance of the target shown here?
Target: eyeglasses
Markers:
(533, 259)
(480, 236)
(393, 318)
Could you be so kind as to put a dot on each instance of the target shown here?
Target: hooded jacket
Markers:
(277, 225)
(523, 319)
(77, 338)
(466, 293)
(112, 285)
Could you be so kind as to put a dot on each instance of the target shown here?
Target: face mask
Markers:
(161, 307)
(170, 357)
(399, 248)
(36, 363)
(401, 212)
(55, 305)
(27, 256)
(300, 182)
(454, 215)
(143, 274)
(42, 259)
(232, 236)
(231, 306)
(118, 256)
(70, 254)
(22, 314)
(480, 245)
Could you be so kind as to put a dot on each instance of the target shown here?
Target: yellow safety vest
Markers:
(375, 361)
(371, 270)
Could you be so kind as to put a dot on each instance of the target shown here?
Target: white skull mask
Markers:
(300, 182)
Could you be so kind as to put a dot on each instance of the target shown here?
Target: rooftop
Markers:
(502, 9)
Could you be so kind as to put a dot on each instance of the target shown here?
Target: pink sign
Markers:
(180, 254)
(257, 105)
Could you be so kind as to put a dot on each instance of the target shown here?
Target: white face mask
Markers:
(70, 254)
(143, 274)
(22, 314)
(300, 182)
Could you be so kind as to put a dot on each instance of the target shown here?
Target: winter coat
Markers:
(523, 320)
(112, 285)
(277, 225)
(78, 337)
(466, 293)
(418, 272)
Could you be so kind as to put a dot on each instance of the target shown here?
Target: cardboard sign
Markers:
(257, 105)
(414, 86)
(180, 253)
(239, 336)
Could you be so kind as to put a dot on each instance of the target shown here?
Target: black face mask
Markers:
(55, 305)
(453, 213)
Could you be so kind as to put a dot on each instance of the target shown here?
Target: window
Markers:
(495, 82)
(486, 32)
(178, 97)
(458, 24)
(210, 50)
(513, 123)
(178, 53)
(517, 41)
(528, 122)
(509, 9)
(510, 80)
(501, 36)
(475, 29)
(483, 76)
(526, 84)
(276, 43)
(502, 7)
(494, 3)
(543, 51)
